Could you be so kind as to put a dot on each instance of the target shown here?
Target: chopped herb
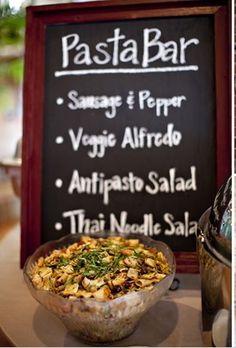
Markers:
(137, 254)
(62, 262)
(94, 264)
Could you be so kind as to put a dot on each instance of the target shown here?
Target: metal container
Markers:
(214, 253)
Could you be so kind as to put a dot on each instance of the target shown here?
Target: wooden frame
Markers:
(37, 20)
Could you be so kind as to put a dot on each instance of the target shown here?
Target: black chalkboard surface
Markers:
(129, 126)
(157, 175)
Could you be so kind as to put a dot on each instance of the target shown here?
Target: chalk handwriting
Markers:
(118, 49)
(161, 105)
(98, 143)
(135, 138)
(144, 100)
(80, 223)
(110, 104)
(97, 183)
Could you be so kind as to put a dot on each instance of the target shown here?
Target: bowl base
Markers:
(99, 340)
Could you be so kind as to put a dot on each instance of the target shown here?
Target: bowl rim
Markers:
(94, 300)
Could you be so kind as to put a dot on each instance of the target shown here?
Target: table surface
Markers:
(175, 321)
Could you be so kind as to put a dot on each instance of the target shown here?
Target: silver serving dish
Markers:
(214, 252)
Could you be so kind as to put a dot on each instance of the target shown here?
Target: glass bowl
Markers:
(100, 321)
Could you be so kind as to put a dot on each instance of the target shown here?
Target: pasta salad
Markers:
(100, 268)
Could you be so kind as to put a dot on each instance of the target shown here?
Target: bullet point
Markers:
(58, 226)
(60, 101)
(58, 183)
(59, 140)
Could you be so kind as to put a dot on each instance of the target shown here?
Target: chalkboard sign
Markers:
(126, 136)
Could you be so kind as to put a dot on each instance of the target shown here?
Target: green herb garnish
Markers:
(63, 262)
(94, 265)
(137, 254)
